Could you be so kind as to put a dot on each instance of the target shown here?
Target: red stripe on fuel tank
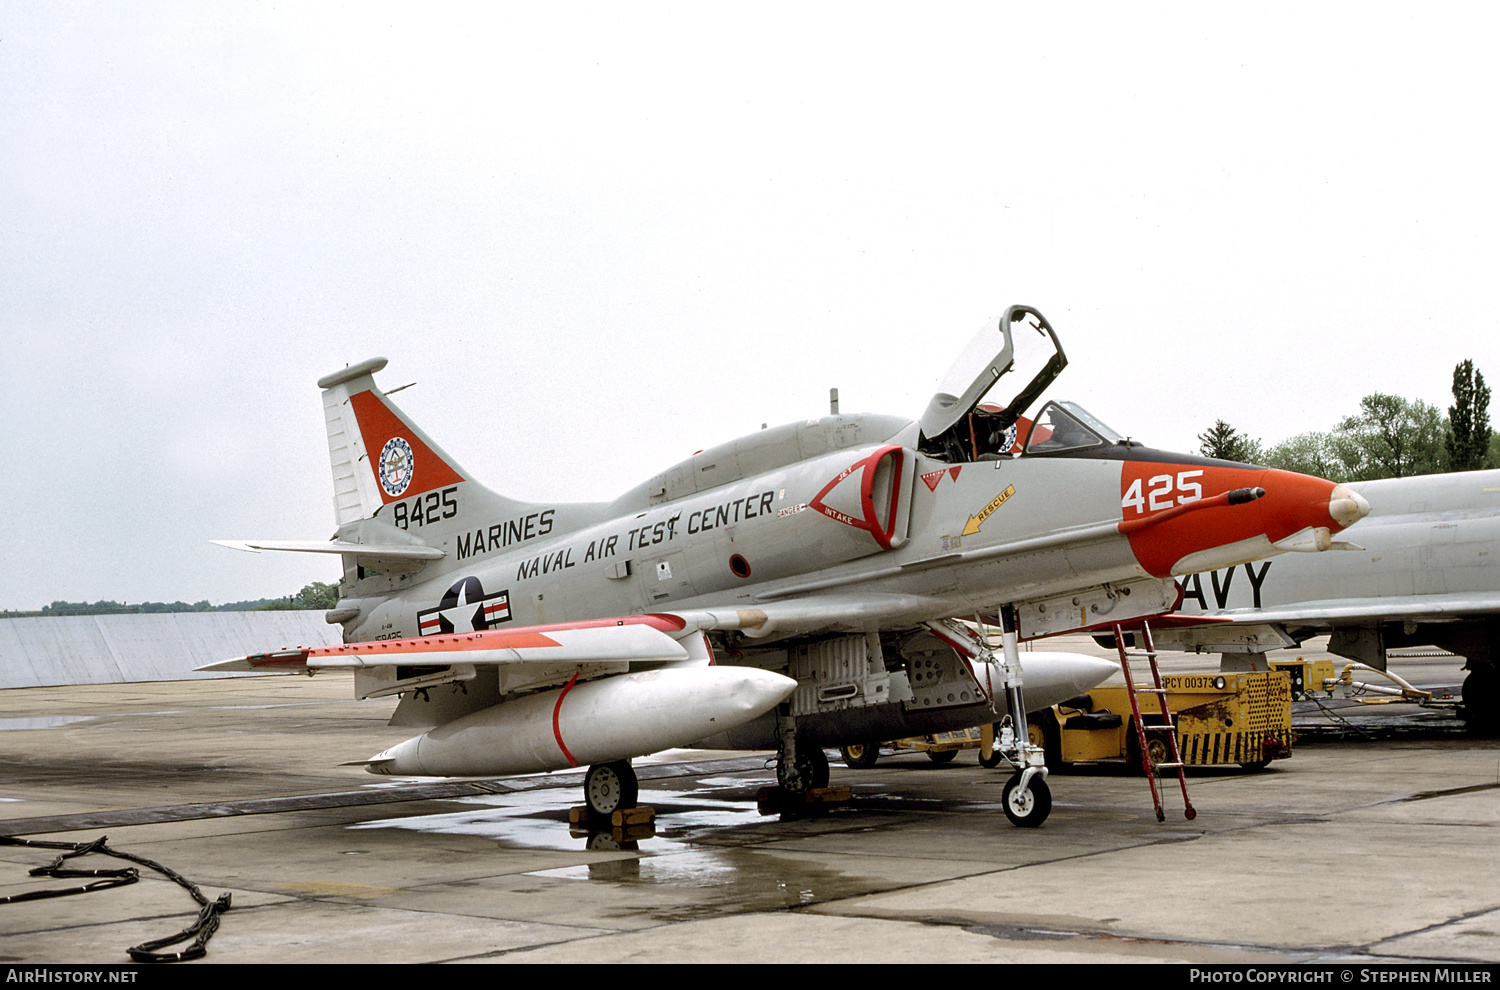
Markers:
(557, 710)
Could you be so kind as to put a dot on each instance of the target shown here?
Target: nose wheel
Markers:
(610, 787)
(1027, 803)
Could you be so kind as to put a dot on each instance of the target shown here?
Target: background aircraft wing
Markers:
(1340, 611)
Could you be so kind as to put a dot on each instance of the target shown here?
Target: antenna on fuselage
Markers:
(833, 402)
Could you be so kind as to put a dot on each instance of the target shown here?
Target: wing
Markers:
(525, 659)
(654, 638)
(633, 639)
(815, 615)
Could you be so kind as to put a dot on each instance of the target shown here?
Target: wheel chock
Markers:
(779, 801)
(624, 817)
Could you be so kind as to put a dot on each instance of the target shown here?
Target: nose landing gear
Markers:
(1027, 799)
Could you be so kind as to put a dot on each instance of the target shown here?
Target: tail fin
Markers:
(387, 473)
(379, 457)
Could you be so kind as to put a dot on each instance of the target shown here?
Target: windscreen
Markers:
(1064, 426)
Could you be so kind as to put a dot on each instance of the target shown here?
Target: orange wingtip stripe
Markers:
(443, 644)
(496, 639)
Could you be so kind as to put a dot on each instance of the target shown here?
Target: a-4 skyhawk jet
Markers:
(801, 587)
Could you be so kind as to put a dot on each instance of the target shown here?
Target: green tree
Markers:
(89, 607)
(315, 595)
(1468, 420)
(318, 595)
(1308, 453)
(1390, 437)
(1226, 443)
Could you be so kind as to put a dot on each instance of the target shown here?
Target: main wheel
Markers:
(942, 755)
(809, 769)
(1030, 807)
(860, 756)
(608, 787)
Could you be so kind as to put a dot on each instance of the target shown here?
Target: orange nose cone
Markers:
(1295, 502)
(1297, 512)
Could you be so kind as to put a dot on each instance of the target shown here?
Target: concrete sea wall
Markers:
(39, 651)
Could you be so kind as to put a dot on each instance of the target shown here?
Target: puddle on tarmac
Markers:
(700, 880)
(712, 878)
(706, 881)
(538, 819)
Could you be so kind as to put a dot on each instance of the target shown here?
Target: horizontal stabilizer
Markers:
(380, 551)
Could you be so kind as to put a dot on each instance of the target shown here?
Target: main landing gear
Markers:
(610, 787)
(800, 766)
(804, 772)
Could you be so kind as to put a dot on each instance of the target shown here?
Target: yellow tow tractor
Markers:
(1221, 718)
(940, 748)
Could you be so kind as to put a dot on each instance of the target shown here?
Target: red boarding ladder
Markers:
(1167, 728)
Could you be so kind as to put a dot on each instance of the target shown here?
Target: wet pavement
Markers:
(1364, 846)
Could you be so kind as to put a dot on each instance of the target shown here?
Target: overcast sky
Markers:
(600, 237)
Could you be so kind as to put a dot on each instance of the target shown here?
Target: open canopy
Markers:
(996, 378)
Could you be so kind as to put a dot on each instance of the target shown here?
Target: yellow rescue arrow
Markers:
(972, 526)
